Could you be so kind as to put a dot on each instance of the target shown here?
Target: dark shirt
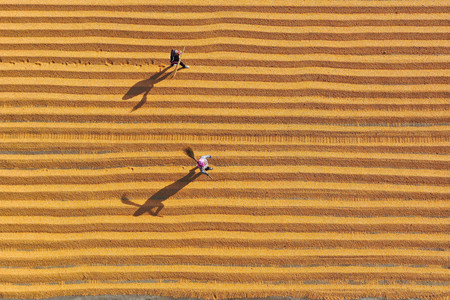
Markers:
(174, 58)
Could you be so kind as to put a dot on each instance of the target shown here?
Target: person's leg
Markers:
(183, 65)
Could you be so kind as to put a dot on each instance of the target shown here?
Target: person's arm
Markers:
(206, 156)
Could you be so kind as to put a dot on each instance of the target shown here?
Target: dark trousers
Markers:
(176, 62)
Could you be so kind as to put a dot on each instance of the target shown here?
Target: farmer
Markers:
(175, 58)
(202, 164)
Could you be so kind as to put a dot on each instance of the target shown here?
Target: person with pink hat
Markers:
(202, 164)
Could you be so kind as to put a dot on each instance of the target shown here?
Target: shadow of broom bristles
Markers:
(189, 152)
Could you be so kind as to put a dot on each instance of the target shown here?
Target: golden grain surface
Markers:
(328, 123)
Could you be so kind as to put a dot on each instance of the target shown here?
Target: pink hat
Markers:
(201, 162)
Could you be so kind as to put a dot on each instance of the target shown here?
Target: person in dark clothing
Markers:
(175, 58)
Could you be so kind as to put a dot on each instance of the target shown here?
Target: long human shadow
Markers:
(145, 86)
(155, 201)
